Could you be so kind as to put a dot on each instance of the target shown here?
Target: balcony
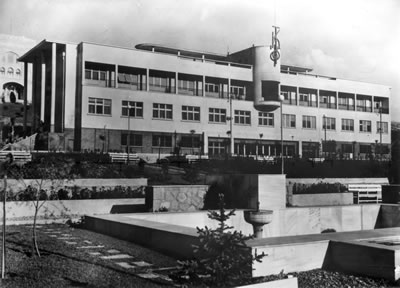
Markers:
(346, 107)
(364, 108)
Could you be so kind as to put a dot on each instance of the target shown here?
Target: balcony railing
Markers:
(364, 108)
(190, 91)
(346, 107)
(308, 103)
(384, 110)
(163, 89)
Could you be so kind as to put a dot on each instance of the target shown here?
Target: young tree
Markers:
(41, 180)
(222, 258)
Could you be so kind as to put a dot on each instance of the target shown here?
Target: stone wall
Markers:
(23, 211)
(175, 198)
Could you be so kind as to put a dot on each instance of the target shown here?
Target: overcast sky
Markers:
(350, 39)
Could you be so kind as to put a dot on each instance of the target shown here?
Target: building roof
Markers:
(181, 52)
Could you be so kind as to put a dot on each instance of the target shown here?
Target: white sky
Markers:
(350, 39)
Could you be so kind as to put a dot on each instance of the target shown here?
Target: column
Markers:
(204, 86)
(25, 96)
(53, 86)
(300, 149)
(116, 76)
(42, 87)
(176, 83)
(148, 79)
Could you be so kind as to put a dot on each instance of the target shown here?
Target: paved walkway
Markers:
(138, 267)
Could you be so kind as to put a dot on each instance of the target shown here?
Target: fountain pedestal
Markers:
(258, 218)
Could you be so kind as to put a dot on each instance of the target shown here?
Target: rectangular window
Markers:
(217, 115)
(238, 92)
(162, 111)
(365, 126)
(366, 149)
(99, 106)
(289, 121)
(347, 125)
(382, 125)
(329, 123)
(216, 147)
(309, 122)
(190, 113)
(266, 119)
(134, 139)
(211, 87)
(242, 117)
(162, 141)
(135, 108)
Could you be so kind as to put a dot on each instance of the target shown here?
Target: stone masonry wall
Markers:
(176, 198)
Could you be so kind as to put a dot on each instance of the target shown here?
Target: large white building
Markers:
(170, 99)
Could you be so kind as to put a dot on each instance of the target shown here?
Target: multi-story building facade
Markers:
(168, 99)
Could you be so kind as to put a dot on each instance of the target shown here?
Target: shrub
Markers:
(319, 188)
(222, 257)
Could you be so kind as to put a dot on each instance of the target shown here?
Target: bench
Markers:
(19, 156)
(123, 157)
(366, 193)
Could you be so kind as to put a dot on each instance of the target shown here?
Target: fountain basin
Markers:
(260, 217)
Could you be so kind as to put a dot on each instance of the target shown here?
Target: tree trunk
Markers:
(34, 235)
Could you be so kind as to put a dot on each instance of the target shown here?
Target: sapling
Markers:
(222, 257)
(46, 176)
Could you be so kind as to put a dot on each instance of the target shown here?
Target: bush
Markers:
(75, 193)
(222, 258)
(319, 188)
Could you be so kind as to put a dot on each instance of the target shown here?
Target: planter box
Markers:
(64, 209)
(323, 199)
(282, 283)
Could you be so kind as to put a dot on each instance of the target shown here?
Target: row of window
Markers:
(164, 84)
(10, 72)
(218, 115)
(328, 99)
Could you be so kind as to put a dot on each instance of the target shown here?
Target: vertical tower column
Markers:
(53, 86)
(25, 96)
(42, 87)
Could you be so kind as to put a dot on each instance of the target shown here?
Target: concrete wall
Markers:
(268, 189)
(391, 194)
(323, 199)
(64, 209)
(285, 222)
(176, 198)
(345, 181)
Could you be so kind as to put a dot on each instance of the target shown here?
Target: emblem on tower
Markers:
(276, 45)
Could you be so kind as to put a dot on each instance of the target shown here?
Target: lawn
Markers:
(64, 264)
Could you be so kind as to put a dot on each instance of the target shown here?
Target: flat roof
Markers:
(182, 52)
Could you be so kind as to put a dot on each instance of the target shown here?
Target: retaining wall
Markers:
(175, 198)
(65, 209)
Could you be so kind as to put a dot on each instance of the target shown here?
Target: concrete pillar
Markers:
(204, 86)
(116, 76)
(300, 148)
(53, 86)
(25, 96)
(176, 83)
(148, 79)
(42, 88)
